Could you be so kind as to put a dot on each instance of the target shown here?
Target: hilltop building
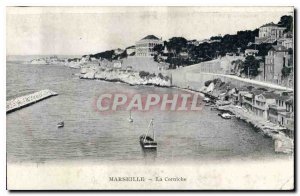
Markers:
(269, 33)
(144, 47)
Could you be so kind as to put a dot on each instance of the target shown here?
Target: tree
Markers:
(287, 22)
(238, 64)
(216, 38)
(106, 55)
(286, 71)
(143, 74)
(123, 55)
(250, 66)
(262, 48)
(158, 48)
(177, 44)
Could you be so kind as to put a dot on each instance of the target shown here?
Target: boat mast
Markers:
(153, 130)
(148, 130)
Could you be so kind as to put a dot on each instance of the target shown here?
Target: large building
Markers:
(276, 59)
(144, 47)
(282, 112)
(269, 33)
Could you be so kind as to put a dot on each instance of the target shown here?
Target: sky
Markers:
(88, 30)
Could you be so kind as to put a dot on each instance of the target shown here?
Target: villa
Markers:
(144, 47)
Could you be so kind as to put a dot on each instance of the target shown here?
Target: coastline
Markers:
(129, 77)
(283, 143)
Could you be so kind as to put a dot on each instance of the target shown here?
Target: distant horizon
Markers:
(69, 31)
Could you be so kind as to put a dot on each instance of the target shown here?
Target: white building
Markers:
(251, 52)
(286, 42)
(144, 47)
(269, 33)
(130, 50)
(117, 64)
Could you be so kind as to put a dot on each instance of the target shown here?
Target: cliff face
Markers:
(129, 77)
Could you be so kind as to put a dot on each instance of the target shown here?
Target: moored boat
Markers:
(225, 115)
(60, 124)
(147, 141)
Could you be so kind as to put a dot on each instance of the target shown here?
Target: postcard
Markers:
(150, 98)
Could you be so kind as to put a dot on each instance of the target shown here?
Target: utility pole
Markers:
(248, 71)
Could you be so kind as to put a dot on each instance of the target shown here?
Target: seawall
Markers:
(24, 101)
(195, 80)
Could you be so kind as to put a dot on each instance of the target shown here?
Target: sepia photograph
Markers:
(150, 98)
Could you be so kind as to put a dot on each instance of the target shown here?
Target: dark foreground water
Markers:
(32, 135)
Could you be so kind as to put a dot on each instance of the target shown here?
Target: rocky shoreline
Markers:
(283, 143)
(125, 76)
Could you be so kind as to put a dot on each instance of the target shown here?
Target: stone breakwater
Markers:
(282, 143)
(129, 77)
(23, 101)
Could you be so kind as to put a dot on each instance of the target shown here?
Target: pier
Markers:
(24, 101)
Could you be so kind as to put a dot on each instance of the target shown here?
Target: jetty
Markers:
(26, 100)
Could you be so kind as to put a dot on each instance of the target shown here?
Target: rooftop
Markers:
(251, 50)
(279, 48)
(283, 98)
(269, 25)
(257, 92)
(270, 95)
(130, 47)
(151, 37)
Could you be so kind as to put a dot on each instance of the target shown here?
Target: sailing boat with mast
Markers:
(130, 119)
(147, 141)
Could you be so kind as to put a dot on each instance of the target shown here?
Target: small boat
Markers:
(225, 115)
(60, 124)
(130, 119)
(146, 141)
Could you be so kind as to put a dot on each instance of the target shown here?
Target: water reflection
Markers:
(149, 155)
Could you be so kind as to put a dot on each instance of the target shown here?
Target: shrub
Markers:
(160, 76)
(143, 74)
(151, 75)
(207, 83)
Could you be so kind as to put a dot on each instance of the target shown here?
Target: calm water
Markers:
(32, 135)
